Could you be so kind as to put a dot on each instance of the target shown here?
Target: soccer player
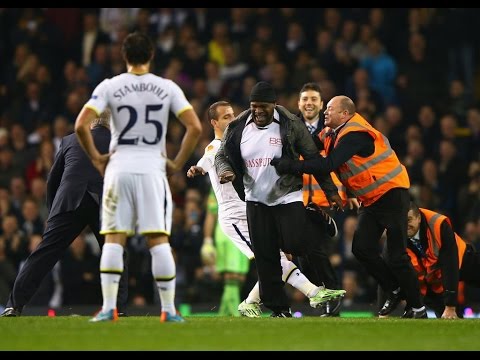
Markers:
(232, 217)
(136, 191)
(229, 260)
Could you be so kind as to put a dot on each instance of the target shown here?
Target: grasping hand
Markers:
(353, 203)
(284, 165)
(194, 171)
(172, 167)
(227, 176)
(335, 202)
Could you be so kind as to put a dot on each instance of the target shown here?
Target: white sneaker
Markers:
(250, 310)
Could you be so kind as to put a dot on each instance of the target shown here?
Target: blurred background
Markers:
(414, 73)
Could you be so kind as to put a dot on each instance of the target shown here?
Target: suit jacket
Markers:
(73, 174)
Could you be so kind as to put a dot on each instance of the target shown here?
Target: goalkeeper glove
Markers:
(208, 252)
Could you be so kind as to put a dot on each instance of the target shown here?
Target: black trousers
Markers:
(315, 262)
(273, 228)
(390, 213)
(59, 233)
(470, 270)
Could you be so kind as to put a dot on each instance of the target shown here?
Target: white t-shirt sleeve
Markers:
(98, 101)
(208, 159)
(179, 101)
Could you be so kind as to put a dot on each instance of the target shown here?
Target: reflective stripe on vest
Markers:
(371, 177)
(318, 196)
(427, 268)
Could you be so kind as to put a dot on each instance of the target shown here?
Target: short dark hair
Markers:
(212, 110)
(414, 207)
(103, 119)
(311, 86)
(137, 49)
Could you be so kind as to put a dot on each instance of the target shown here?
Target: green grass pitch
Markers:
(228, 333)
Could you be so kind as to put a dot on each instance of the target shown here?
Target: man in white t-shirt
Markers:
(275, 212)
(232, 216)
(136, 194)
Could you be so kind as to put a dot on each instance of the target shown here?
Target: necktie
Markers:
(418, 246)
(333, 137)
(311, 128)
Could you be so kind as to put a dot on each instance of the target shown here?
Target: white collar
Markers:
(314, 124)
(337, 129)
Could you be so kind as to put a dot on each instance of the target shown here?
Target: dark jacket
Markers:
(73, 174)
(296, 141)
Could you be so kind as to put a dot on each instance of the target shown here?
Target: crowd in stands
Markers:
(414, 73)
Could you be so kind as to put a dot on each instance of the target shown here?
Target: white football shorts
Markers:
(237, 231)
(136, 201)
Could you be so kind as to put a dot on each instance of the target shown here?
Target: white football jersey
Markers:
(230, 206)
(262, 182)
(140, 106)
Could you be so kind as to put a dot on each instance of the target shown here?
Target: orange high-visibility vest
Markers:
(371, 177)
(318, 196)
(427, 268)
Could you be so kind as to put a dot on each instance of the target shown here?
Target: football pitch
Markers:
(236, 334)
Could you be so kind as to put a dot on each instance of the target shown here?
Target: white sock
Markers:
(163, 271)
(300, 282)
(254, 295)
(111, 268)
(292, 275)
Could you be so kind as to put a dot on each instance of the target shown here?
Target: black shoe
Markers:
(122, 314)
(331, 308)
(390, 305)
(412, 314)
(11, 312)
(282, 314)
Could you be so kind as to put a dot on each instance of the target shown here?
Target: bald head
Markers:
(345, 103)
(339, 110)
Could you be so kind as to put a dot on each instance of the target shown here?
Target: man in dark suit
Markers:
(74, 190)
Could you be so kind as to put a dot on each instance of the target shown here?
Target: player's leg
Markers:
(233, 265)
(91, 213)
(237, 232)
(117, 222)
(154, 220)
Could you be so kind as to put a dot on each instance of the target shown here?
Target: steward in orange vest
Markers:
(368, 178)
(368, 167)
(441, 259)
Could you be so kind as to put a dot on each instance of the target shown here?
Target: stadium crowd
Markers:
(413, 71)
